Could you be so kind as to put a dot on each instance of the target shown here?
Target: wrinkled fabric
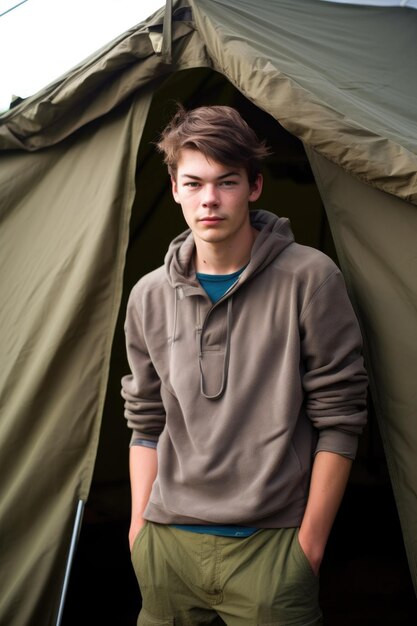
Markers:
(342, 79)
(294, 382)
(63, 247)
(382, 280)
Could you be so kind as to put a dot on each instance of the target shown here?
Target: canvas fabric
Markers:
(320, 71)
(63, 246)
(67, 183)
(318, 68)
(365, 222)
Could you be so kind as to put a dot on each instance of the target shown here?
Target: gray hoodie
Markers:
(240, 395)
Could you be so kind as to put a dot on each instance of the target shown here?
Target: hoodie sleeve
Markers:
(144, 409)
(334, 379)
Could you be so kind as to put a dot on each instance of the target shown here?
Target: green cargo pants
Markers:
(188, 579)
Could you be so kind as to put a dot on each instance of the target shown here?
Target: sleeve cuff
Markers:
(146, 443)
(337, 441)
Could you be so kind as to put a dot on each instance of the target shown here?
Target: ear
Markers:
(174, 188)
(256, 188)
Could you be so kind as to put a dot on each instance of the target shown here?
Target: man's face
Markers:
(214, 197)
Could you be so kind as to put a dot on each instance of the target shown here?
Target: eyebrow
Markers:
(227, 175)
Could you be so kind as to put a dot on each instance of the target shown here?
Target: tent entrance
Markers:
(156, 219)
(290, 191)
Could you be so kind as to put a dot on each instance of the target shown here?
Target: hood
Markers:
(274, 236)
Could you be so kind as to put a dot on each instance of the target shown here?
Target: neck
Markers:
(213, 258)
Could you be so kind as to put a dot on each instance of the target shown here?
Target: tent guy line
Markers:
(13, 8)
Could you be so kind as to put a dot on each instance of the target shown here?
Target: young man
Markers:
(246, 396)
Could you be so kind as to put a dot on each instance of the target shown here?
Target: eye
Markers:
(228, 183)
(192, 184)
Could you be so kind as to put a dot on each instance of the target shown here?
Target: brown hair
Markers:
(218, 132)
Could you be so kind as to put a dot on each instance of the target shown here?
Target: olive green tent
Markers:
(85, 210)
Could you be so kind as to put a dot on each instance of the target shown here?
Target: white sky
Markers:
(42, 39)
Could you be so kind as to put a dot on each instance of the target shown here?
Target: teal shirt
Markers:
(216, 285)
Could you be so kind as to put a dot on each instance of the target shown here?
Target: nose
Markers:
(210, 196)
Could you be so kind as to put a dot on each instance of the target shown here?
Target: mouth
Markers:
(211, 220)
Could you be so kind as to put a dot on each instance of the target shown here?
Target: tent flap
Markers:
(63, 251)
(95, 87)
(375, 231)
(326, 74)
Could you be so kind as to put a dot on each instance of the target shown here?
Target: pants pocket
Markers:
(138, 554)
(297, 587)
(303, 557)
(146, 619)
(136, 539)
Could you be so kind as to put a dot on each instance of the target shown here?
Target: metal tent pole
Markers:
(71, 553)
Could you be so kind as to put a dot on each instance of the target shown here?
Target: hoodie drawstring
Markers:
(179, 294)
